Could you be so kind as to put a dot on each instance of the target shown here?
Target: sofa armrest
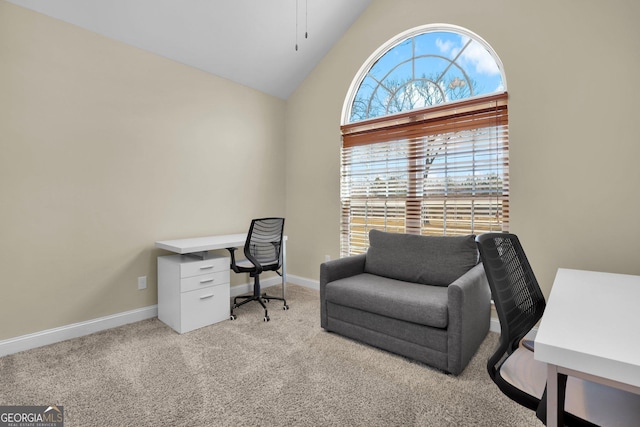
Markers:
(469, 316)
(335, 270)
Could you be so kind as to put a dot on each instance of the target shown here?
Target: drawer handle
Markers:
(206, 267)
(206, 296)
(206, 281)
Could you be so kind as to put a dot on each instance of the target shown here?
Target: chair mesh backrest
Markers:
(514, 288)
(264, 241)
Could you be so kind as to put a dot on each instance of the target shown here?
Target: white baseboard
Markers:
(75, 330)
(246, 288)
(494, 326)
(302, 281)
(275, 281)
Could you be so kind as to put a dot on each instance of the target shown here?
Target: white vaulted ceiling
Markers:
(251, 42)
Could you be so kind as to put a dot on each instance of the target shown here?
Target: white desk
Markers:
(193, 291)
(589, 330)
(200, 245)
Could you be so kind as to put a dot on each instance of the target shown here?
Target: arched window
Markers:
(425, 139)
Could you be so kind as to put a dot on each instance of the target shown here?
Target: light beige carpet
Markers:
(286, 372)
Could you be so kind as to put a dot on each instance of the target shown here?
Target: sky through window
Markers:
(427, 69)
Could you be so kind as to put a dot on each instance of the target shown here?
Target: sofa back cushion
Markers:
(430, 260)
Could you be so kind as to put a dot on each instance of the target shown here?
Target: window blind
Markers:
(436, 171)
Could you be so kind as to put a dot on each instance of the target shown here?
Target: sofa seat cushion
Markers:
(421, 304)
(430, 260)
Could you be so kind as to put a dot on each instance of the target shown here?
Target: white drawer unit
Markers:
(193, 292)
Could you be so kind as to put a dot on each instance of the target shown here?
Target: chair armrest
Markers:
(234, 266)
(232, 252)
(469, 316)
(335, 270)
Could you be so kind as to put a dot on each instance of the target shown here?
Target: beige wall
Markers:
(573, 100)
(105, 149)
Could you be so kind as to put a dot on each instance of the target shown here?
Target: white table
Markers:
(203, 244)
(194, 286)
(589, 330)
(198, 246)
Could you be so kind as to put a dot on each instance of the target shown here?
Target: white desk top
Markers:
(591, 325)
(201, 244)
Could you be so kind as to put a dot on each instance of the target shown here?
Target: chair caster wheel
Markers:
(233, 317)
(266, 318)
(285, 307)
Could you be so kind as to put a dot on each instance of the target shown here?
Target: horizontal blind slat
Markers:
(442, 171)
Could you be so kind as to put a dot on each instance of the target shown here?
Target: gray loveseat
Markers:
(423, 297)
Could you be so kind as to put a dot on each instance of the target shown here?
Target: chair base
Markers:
(262, 299)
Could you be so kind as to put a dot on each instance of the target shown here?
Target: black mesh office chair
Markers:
(263, 252)
(520, 305)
